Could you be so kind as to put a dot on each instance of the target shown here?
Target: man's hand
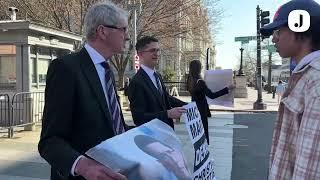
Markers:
(92, 170)
(176, 112)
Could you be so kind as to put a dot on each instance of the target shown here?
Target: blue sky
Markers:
(239, 20)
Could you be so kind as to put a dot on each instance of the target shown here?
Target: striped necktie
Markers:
(113, 101)
(156, 76)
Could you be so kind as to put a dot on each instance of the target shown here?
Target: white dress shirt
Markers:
(97, 59)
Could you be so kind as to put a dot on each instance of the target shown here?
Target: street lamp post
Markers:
(133, 6)
(240, 73)
(259, 105)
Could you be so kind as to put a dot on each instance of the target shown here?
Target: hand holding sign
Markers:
(91, 170)
(175, 113)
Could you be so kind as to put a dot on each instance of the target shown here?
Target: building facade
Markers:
(278, 72)
(188, 44)
(26, 50)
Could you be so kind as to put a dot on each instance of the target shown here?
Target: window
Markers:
(43, 65)
(33, 50)
(44, 51)
(7, 66)
(40, 60)
(33, 70)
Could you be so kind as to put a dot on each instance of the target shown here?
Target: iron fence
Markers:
(24, 110)
(27, 108)
(180, 86)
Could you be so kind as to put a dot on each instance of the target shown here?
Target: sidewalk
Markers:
(19, 157)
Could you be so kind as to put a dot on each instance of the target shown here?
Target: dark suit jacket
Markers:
(146, 103)
(199, 93)
(76, 115)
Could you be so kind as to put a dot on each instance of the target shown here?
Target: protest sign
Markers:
(217, 80)
(203, 165)
(150, 151)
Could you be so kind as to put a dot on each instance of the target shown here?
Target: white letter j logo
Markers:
(299, 21)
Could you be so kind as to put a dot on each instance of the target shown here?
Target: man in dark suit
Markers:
(147, 93)
(81, 105)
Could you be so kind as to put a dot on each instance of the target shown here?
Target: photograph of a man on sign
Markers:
(170, 158)
(150, 151)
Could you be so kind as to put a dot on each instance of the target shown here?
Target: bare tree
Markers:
(250, 63)
(162, 18)
(165, 19)
(63, 14)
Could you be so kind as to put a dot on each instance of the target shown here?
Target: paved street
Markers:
(251, 146)
(240, 145)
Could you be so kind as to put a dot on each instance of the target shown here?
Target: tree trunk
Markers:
(121, 78)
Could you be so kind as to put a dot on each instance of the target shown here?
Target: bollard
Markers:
(10, 132)
(273, 92)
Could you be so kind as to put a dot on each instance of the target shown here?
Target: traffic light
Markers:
(264, 18)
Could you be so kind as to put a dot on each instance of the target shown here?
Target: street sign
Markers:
(270, 48)
(245, 38)
(245, 42)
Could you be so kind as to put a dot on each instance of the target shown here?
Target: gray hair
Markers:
(103, 13)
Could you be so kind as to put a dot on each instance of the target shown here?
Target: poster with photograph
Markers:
(150, 151)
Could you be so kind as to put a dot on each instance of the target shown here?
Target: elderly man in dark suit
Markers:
(81, 105)
(147, 93)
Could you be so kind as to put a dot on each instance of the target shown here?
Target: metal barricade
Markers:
(24, 110)
(27, 109)
(5, 109)
(180, 87)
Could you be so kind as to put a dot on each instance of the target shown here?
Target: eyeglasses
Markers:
(276, 33)
(152, 50)
(123, 29)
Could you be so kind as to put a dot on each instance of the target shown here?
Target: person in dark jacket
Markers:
(147, 93)
(199, 90)
(82, 107)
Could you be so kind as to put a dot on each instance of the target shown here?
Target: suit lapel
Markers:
(92, 76)
(151, 85)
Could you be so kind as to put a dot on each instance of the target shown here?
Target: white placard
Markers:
(217, 80)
